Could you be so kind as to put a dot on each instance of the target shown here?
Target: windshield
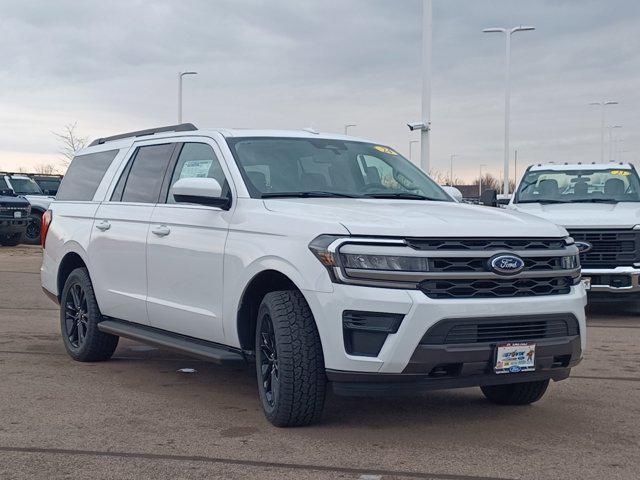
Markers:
(25, 186)
(575, 186)
(303, 167)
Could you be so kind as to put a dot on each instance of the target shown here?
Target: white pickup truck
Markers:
(599, 204)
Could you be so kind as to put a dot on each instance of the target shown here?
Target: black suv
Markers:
(14, 217)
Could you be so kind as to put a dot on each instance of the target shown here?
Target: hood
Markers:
(13, 201)
(416, 218)
(585, 215)
(39, 200)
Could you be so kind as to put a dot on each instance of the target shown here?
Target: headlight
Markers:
(384, 262)
(571, 262)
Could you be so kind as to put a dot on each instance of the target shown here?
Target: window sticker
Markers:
(386, 150)
(622, 173)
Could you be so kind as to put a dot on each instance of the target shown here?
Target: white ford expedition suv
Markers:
(599, 204)
(323, 259)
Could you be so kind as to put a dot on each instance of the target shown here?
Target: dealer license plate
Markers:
(515, 358)
(17, 214)
(586, 281)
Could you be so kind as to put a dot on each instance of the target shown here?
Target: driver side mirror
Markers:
(489, 198)
(201, 191)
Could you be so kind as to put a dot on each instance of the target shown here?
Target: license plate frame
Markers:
(514, 357)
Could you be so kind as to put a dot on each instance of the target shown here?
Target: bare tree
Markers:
(46, 168)
(70, 142)
(493, 183)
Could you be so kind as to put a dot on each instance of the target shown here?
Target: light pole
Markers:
(515, 167)
(612, 151)
(602, 105)
(452, 156)
(424, 125)
(411, 142)
(180, 75)
(480, 182)
(507, 94)
(346, 127)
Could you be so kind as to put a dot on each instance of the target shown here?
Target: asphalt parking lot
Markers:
(137, 416)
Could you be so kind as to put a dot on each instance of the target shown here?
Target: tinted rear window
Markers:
(84, 175)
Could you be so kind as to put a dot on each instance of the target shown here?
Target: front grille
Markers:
(484, 244)
(504, 329)
(465, 264)
(611, 248)
(495, 288)
(9, 212)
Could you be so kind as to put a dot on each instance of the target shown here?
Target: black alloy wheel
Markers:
(33, 231)
(76, 316)
(268, 361)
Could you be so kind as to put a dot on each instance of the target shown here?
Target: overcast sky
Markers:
(112, 66)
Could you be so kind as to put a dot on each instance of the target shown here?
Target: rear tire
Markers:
(516, 393)
(79, 318)
(289, 361)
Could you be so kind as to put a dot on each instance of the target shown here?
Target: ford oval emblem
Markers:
(506, 264)
(515, 369)
(583, 247)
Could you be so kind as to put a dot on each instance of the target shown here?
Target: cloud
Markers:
(112, 66)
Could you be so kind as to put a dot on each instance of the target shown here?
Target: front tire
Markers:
(34, 229)
(516, 393)
(289, 361)
(79, 318)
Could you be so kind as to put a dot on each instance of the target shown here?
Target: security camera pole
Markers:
(426, 86)
(180, 75)
(507, 95)
(425, 124)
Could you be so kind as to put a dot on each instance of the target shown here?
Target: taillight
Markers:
(46, 221)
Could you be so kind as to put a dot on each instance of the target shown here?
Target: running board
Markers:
(194, 347)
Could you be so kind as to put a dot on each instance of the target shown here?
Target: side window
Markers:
(84, 176)
(141, 180)
(197, 160)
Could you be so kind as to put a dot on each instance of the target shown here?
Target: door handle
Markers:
(161, 231)
(104, 225)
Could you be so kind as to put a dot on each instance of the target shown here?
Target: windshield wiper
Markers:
(594, 200)
(310, 194)
(544, 200)
(402, 196)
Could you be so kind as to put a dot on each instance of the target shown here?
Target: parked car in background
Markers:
(599, 204)
(27, 187)
(323, 259)
(14, 216)
(49, 184)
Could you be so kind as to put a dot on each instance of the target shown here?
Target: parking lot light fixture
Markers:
(347, 126)
(507, 97)
(480, 181)
(602, 106)
(180, 75)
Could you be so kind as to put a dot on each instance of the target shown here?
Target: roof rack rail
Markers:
(182, 127)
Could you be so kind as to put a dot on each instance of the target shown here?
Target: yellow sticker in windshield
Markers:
(624, 173)
(386, 150)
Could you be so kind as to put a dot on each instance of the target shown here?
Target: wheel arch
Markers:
(263, 282)
(70, 261)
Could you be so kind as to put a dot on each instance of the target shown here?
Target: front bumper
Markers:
(435, 367)
(617, 280)
(420, 313)
(11, 226)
